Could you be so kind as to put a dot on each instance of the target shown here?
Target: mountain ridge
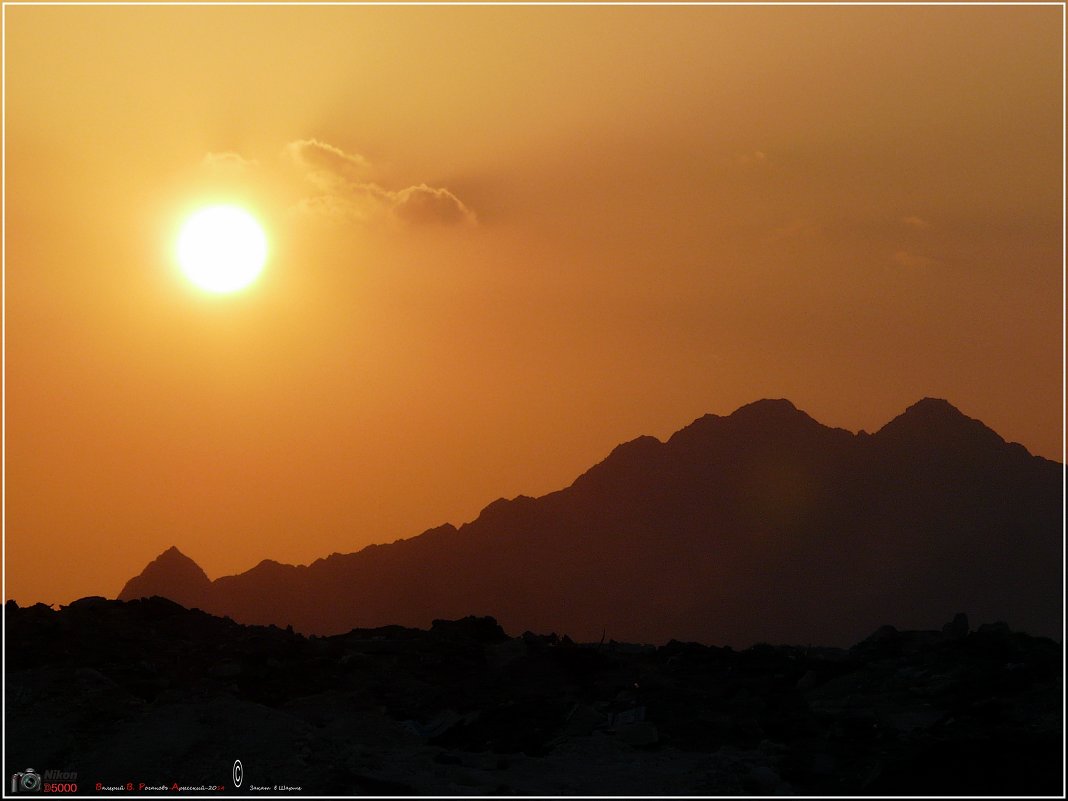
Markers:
(715, 534)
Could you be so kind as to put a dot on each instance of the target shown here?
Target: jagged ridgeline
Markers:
(764, 525)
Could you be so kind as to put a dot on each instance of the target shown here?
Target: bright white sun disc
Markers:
(222, 248)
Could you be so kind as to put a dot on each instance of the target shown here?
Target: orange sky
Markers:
(503, 240)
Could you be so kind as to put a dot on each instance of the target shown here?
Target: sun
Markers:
(221, 248)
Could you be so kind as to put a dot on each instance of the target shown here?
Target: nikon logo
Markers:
(60, 776)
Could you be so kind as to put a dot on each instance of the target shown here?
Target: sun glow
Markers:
(221, 248)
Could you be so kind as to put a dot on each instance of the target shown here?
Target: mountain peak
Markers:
(172, 554)
(936, 421)
(765, 419)
(171, 575)
(934, 407)
(931, 410)
(767, 409)
(172, 559)
(777, 404)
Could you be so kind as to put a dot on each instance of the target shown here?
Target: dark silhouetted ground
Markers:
(147, 691)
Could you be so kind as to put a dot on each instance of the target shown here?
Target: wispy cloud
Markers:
(332, 162)
(346, 192)
(420, 204)
(227, 163)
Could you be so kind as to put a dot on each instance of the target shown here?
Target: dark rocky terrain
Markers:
(148, 691)
(763, 525)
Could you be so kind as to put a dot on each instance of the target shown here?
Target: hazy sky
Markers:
(503, 240)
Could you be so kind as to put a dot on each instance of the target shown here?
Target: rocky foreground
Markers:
(150, 692)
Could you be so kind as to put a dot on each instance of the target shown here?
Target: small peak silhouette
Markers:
(768, 408)
(931, 411)
(933, 405)
(762, 423)
(172, 554)
(172, 575)
(936, 424)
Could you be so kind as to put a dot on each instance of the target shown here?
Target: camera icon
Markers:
(29, 781)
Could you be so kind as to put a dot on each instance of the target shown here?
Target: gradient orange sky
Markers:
(503, 240)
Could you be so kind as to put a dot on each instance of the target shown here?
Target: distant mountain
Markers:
(172, 575)
(764, 525)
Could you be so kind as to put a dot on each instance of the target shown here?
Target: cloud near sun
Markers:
(345, 191)
(228, 163)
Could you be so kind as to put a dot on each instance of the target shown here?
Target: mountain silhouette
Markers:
(763, 525)
(172, 575)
